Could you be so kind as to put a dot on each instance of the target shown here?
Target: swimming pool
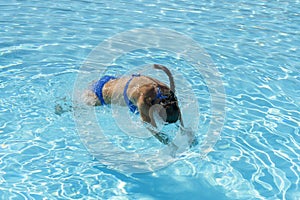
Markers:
(254, 47)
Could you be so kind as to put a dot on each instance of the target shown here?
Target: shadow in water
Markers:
(175, 187)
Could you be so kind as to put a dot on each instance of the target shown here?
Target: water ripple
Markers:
(256, 48)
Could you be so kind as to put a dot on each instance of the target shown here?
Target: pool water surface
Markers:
(254, 46)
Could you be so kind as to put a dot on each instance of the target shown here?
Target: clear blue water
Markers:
(255, 47)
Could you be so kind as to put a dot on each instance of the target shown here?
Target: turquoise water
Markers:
(254, 46)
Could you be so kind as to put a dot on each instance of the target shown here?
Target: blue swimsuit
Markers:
(98, 86)
(129, 103)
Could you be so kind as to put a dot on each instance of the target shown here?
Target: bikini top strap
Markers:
(159, 95)
(129, 103)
